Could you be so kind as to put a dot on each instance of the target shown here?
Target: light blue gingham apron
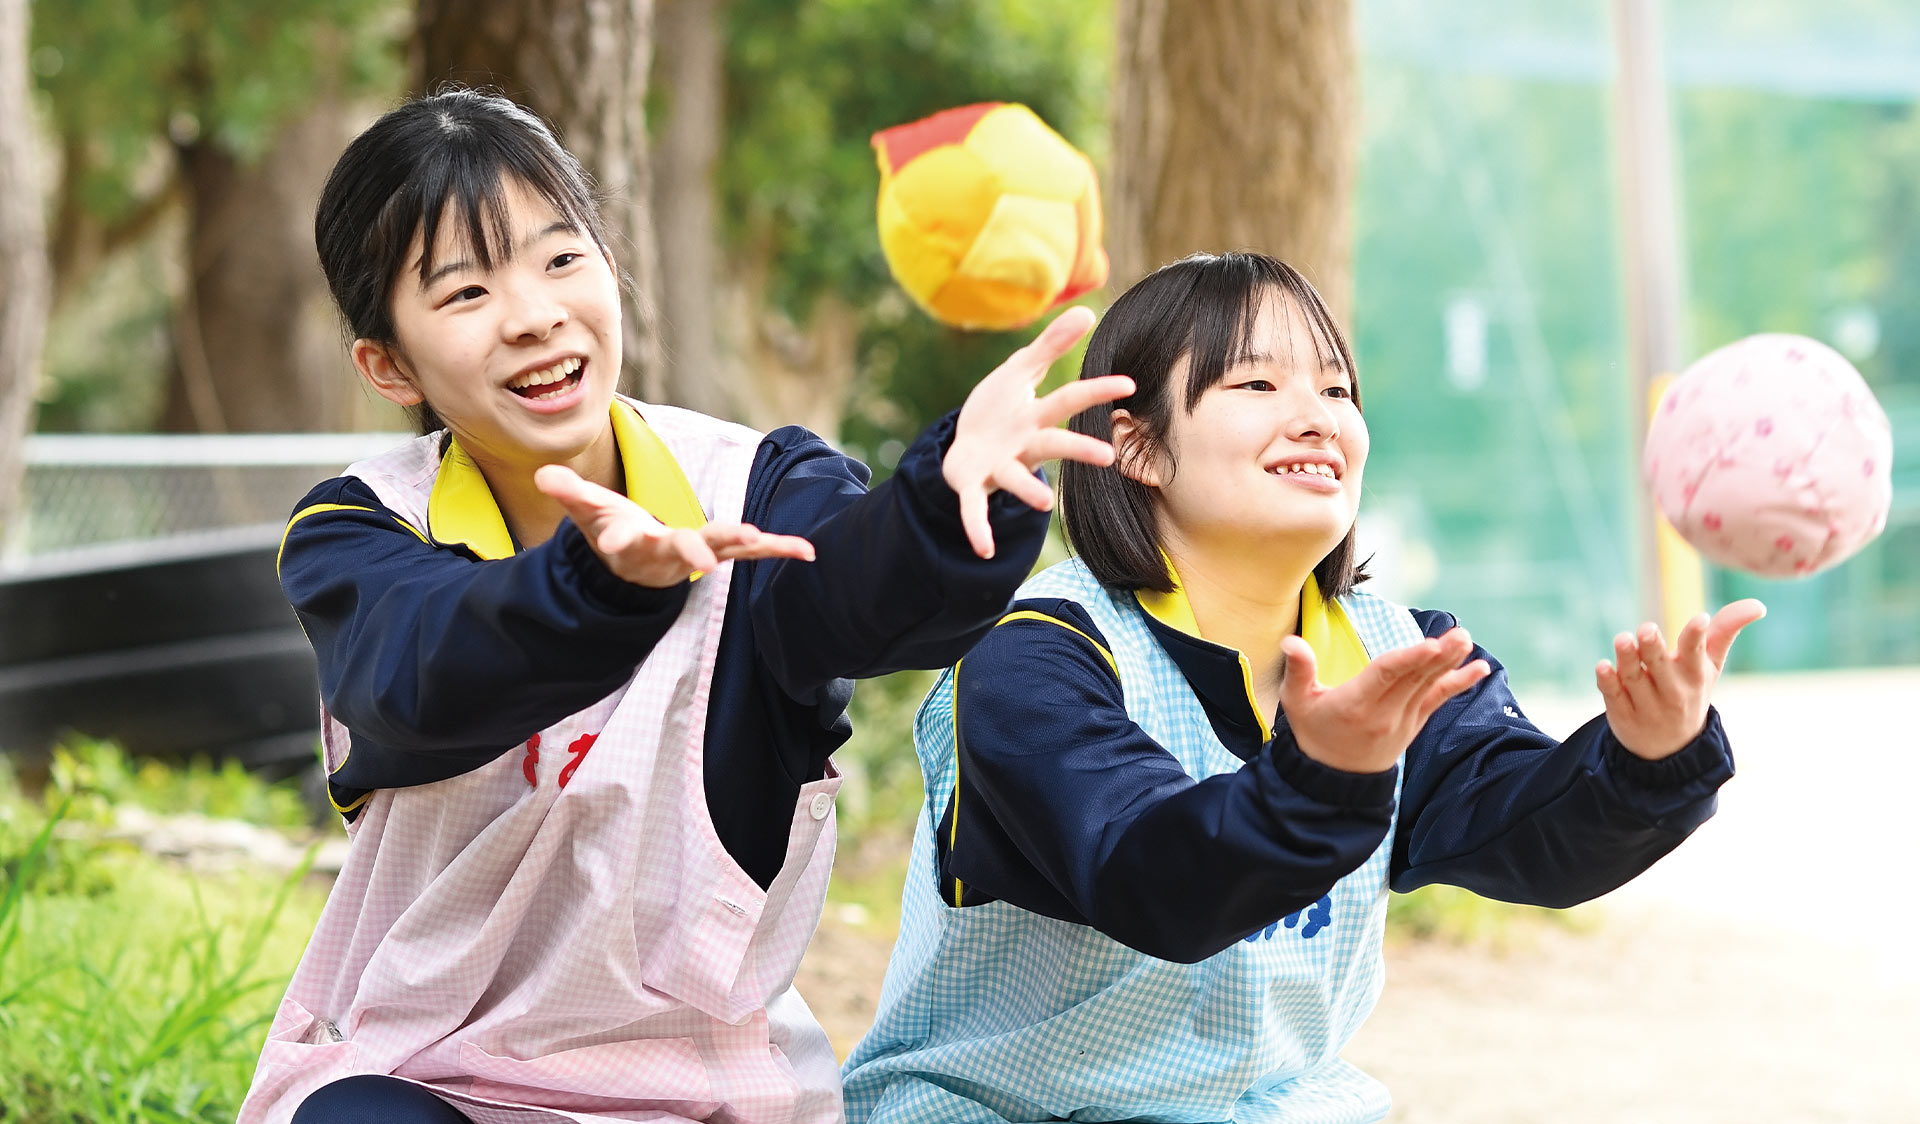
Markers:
(990, 1013)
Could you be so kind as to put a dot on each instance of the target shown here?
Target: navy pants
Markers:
(375, 1099)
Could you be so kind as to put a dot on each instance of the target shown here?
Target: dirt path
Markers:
(1656, 1017)
(1650, 1017)
(1765, 972)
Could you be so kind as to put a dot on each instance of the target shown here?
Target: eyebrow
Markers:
(462, 263)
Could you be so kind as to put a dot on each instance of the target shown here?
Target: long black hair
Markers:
(1202, 308)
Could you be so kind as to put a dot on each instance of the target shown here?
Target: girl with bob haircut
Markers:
(1168, 793)
(583, 661)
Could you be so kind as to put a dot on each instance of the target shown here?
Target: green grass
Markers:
(1456, 916)
(96, 776)
(131, 989)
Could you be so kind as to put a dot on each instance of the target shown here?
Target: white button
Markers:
(822, 804)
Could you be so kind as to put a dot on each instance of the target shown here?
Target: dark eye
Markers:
(1257, 384)
(1338, 392)
(470, 293)
(562, 260)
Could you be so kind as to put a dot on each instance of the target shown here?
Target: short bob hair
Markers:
(444, 156)
(1204, 307)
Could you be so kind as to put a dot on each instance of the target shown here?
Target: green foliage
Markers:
(808, 84)
(107, 345)
(1456, 916)
(121, 78)
(95, 776)
(130, 990)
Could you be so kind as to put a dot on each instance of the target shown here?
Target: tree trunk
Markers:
(1234, 128)
(23, 256)
(728, 350)
(582, 65)
(256, 339)
(701, 370)
(788, 373)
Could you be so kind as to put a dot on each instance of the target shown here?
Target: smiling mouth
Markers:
(1323, 471)
(551, 382)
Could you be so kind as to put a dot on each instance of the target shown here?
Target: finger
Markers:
(1392, 682)
(583, 499)
(1017, 479)
(1406, 673)
(693, 550)
(973, 517)
(721, 536)
(1387, 672)
(1079, 395)
(1657, 661)
(1727, 624)
(1626, 664)
(620, 535)
(768, 546)
(1061, 444)
(1449, 648)
(1691, 647)
(1607, 678)
(1299, 673)
(1402, 690)
(1450, 684)
(1056, 340)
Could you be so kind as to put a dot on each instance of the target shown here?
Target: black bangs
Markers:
(1224, 312)
(469, 187)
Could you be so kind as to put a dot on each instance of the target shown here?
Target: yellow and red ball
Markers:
(988, 217)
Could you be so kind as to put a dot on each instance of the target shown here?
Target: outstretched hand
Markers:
(640, 549)
(1657, 697)
(1366, 723)
(1004, 431)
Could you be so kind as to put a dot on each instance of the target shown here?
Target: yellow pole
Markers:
(1683, 579)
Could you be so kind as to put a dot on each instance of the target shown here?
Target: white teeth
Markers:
(1313, 469)
(554, 373)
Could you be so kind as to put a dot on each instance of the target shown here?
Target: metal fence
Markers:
(89, 491)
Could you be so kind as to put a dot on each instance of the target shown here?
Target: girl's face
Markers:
(1270, 459)
(520, 361)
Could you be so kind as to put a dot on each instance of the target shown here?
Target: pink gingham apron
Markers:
(560, 935)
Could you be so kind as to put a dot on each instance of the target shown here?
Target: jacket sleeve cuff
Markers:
(1334, 787)
(1704, 756)
(606, 591)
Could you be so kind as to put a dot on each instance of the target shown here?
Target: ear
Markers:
(378, 364)
(1133, 455)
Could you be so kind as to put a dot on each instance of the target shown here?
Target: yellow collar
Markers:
(1336, 644)
(461, 509)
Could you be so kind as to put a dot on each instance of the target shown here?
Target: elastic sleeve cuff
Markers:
(1334, 787)
(1702, 757)
(607, 591)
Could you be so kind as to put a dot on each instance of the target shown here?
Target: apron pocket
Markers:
(665, 1074)
(299, 1056)
(300, 1039)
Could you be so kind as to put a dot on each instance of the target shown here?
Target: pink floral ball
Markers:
(1771, 456)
